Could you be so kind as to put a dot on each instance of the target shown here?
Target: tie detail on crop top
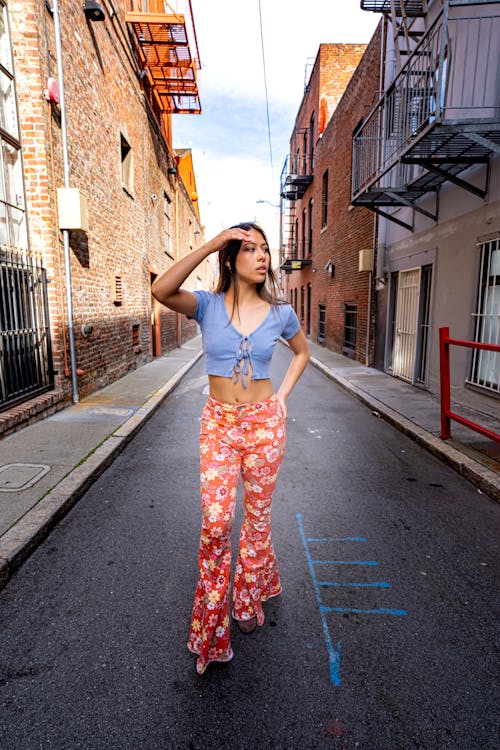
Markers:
(227, 351)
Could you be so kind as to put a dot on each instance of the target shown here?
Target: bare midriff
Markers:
(223, 389)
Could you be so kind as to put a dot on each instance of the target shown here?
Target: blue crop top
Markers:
(227, 352)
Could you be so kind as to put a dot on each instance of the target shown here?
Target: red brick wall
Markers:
(350, 76)
(348, 230)
(332, 71)
(103, 100)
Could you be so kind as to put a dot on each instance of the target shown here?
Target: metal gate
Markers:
(25, 347)
(406, 324)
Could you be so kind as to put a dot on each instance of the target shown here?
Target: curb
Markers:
(483, 478)
(17, 544)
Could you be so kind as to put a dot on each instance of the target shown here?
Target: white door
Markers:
(406, 327)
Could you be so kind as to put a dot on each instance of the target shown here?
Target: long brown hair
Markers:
(267, 290)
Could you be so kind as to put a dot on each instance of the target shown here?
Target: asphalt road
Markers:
(383, 638)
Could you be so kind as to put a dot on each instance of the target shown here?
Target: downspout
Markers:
(176, 189)
(69, 293)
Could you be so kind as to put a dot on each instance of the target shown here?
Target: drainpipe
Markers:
(176, 189)
(69, 293)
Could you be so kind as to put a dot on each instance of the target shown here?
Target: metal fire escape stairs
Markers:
(166, 49)
(431, 123)
(296, 176)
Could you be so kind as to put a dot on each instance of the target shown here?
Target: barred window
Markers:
(310, 239)
(12, 203)
(485, 365)
(324, 201)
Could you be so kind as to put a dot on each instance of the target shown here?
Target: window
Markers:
(322, 324)
(485, 365)
(324, 201)
(311, 147)
(302, 300)
(166, 225)
(127, 165)
(305, 155)
(12, 204)
(303, 252)
(310, 240)
(116, 290)
(295, 299)
(350, 325)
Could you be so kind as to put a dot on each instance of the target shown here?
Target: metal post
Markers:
(444, 377)
(368, 320)
(69, 293)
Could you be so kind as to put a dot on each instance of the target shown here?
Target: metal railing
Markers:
(444, 375)
(25, 345)
(296, 175)
(451, 75)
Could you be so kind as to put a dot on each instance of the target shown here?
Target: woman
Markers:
(242, 428)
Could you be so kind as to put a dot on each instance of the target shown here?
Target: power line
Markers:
(265, 88)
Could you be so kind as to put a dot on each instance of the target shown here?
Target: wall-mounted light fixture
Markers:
(93, 11)
(330, 268)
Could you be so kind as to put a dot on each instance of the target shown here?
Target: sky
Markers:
(236, 162)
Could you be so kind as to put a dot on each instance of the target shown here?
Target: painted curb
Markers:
(482, 477)
(17, 544)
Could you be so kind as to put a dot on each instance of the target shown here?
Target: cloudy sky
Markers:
(234, 164)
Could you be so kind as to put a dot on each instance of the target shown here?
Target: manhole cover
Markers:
(16, 477)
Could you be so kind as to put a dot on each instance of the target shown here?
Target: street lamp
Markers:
(274, 205)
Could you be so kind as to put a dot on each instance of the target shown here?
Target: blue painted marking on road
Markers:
(344, 562)
(333, 653)
(375, 584)
(338, 539)
(382, 611)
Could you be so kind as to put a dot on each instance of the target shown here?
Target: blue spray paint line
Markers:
(382, 611)
(375, 584)
(333, 654)
(338, 539)
(344, 562)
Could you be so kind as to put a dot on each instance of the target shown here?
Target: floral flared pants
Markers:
(235, 439)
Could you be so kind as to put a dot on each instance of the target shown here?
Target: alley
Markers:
(382, 639)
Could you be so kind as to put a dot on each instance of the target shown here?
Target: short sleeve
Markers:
(202, 302)
(291, 323)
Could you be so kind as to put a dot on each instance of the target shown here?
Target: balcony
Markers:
(439, 117)
(296, 176)
(165, 46)
(411, 8)
(296, 257)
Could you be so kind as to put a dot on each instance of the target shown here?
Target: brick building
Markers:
(322, 235)
(139, 194)
(427, 162)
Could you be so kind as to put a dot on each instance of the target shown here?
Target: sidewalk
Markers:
(46, 467)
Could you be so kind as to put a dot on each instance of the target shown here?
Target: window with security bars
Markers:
(485, 365)
(12, 203)
(350, 326)
(321, 324)
(324, 200)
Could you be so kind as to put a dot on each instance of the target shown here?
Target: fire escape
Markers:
(164, 42)
(296, 176)
(439, 117)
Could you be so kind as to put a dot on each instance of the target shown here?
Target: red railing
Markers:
(444, 360)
